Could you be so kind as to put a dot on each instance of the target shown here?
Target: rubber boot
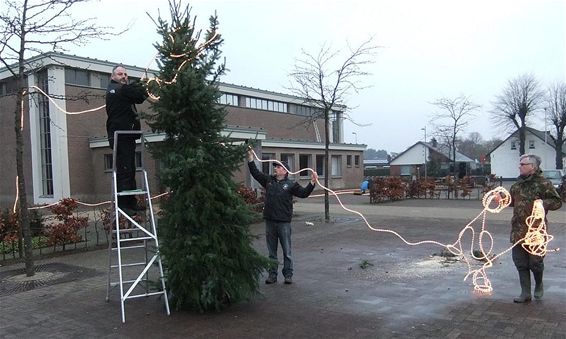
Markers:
(539, 289)
(525, 280)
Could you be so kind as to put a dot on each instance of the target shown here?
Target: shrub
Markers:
(9, 226)
(251, 198)
(395, 188)
(66, 231)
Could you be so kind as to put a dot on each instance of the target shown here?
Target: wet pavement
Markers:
(350, 282)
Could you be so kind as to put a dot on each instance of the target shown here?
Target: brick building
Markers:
(67, 155)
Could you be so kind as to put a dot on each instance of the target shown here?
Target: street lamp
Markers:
(356, 137)
(426, 147)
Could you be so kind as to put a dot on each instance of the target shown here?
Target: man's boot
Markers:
(525, 280)
(272, 278)
(539, 289)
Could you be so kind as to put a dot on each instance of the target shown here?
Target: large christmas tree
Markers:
(206, 242)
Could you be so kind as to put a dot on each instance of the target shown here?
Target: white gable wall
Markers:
(413, 156)
(505, 161)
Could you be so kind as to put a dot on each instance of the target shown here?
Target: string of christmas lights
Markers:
(535, 242)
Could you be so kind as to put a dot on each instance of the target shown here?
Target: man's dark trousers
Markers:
(125, 169)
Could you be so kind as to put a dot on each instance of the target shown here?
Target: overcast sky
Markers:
(428, 50)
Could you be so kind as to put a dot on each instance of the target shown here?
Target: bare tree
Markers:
(28, 28)
(324, 83)
(475, 147)
(471, 145)
(556, 115)
(452, 121)
(513, 108)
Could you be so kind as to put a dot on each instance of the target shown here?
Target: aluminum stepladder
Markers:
(128, 240)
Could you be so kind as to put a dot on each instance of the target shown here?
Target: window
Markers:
(304, 110)
(104, 80)
(267, 105)
(228, 99)
(357, 160)
(304, 162)
(108, 162)
(45, 136)
(77, 77)
(406, 169)
(320, 165)
(281, 107)
(267, 167)
(8, 86)
(349, 161)
(138, 160)
(336, 123)
(531, 144)
(513, 145)
(336, 165)
(290, 159)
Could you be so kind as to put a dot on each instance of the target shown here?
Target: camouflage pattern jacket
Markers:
(523, 194)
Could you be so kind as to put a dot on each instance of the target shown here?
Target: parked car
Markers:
(555, 176)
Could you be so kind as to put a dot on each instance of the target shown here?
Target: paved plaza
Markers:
(350, 282)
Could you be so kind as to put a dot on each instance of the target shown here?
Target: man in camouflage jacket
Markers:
(530, 186)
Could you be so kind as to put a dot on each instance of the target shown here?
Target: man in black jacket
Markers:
(121, 98)
(278, 211)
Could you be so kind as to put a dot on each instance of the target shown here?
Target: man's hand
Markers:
(250, 155)
(314, 178)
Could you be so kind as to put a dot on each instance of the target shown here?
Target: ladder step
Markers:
(127, 230)
(150, 248)
(128, 247)
(145, 295)
(116, 283)
(136, 239)
(130, 265)
(131, 192)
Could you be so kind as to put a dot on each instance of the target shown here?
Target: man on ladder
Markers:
(121, 98)
(124, 126)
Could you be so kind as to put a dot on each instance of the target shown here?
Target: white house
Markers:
(412, 160)
(505, 156)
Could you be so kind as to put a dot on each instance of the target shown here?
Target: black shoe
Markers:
(523, 298)
(288, 280)
(272, 279)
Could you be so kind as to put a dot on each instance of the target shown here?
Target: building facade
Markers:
(66, 151)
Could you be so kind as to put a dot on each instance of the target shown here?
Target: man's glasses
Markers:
(525, 164)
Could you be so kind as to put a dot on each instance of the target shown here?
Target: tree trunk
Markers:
(22, 197)
(558, 159)
(522, 140)
(326, 167)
